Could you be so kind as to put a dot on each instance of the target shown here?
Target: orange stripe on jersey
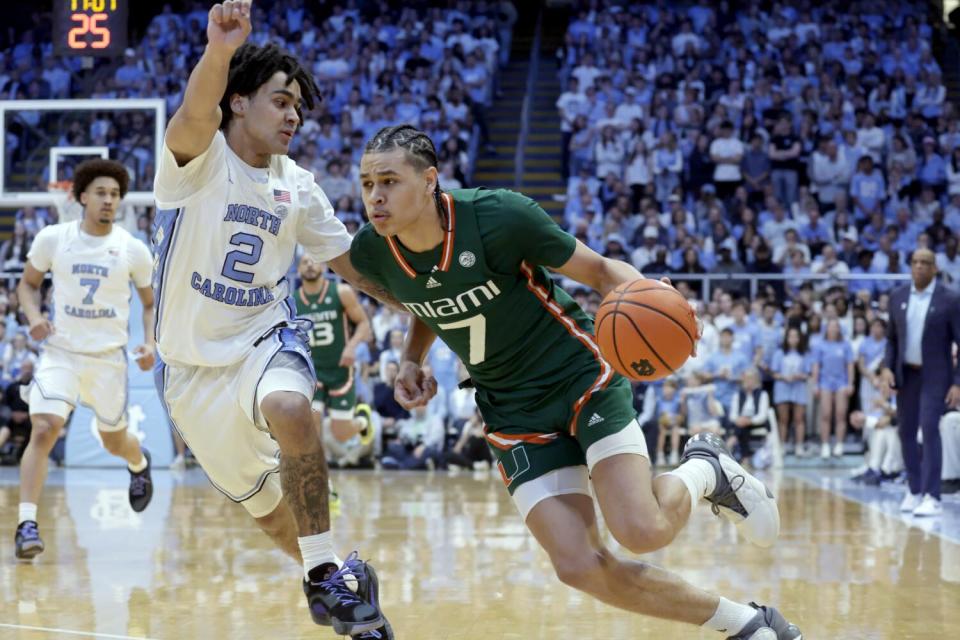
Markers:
(507, 440)
(335, 393)
(447, 256)
(606, 372)
(395, 250)
(323, 293)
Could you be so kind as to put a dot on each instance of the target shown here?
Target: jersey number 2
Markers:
(478, 335)
(252, 257)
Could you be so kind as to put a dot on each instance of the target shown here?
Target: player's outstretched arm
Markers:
(193, 126)
(28, 292)
(588, 267)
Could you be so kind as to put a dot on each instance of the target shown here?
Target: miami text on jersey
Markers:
(463, 303)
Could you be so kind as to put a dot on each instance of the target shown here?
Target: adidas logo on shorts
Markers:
(595, 419)
(432, 284)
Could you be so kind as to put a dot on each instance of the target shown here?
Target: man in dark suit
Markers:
(924, 326)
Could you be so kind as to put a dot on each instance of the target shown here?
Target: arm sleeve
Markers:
(521, 231)
(141, 264)
(322, 235)
(891, 352)
(43, 249)
(174, 185)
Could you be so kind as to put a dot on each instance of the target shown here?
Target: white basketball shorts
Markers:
(217, 412)
(64, 379)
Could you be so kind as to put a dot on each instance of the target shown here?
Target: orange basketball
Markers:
(646, 329)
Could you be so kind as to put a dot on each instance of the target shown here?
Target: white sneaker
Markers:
(178, 464)
(674, 458)
(930, 506)
(800, 451)
(739, 496)
(910, 502)
(825, 450)
(838, 450)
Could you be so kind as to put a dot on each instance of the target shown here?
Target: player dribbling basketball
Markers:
(471, 267)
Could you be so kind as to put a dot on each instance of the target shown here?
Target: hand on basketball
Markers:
(413, 389)
(145, 356)
(41, 329)
(953, 396)
(228, 24)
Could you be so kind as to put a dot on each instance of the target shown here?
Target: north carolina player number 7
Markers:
(478, 335)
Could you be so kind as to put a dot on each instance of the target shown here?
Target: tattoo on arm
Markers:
(379, 292)
(304, 482)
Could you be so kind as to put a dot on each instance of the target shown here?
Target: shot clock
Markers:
(90, 27)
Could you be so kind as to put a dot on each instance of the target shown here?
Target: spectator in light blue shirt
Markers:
(933, 170)
(725, 366)
(867, 189)
(833, 372)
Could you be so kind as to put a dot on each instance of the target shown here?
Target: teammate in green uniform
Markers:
(471, 267)
(331, 307)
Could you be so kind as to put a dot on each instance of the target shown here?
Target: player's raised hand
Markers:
(228, 24)
(40, 329)
(412, 388)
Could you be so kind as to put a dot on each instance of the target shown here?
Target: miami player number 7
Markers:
(478, 335)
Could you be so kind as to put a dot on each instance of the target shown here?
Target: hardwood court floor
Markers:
(455, 563)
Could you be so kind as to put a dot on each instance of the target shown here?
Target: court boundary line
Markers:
(88, 634)
(874, 506)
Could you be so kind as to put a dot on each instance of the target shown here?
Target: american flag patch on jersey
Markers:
(281, 196)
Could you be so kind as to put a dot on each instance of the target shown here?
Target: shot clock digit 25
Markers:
(90, 27)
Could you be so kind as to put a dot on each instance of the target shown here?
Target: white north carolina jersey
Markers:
(91, 284)
(225, 239)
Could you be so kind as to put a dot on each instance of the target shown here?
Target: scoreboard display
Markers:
(90, 27)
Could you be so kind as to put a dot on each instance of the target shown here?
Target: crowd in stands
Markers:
(433, 65)
(790, 140)
(809, 141)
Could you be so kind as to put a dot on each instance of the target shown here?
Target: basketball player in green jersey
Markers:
(331, 306)
(471, 267)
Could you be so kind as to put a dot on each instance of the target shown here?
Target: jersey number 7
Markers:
(478, 335)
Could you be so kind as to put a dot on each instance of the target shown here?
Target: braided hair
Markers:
(251, 67)
(418, 149)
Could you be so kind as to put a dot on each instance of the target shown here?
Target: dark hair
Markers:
(89, 170)
(252, 66)
(801, 344)
(417, 146)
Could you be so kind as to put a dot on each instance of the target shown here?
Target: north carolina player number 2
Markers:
(251, 257)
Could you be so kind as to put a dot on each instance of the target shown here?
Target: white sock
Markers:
(699, 476)
(28, 511)
(730, 617)
(140, 466)
(316, 550)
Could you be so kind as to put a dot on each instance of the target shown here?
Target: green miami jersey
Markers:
(486, 293)
(328, 336)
